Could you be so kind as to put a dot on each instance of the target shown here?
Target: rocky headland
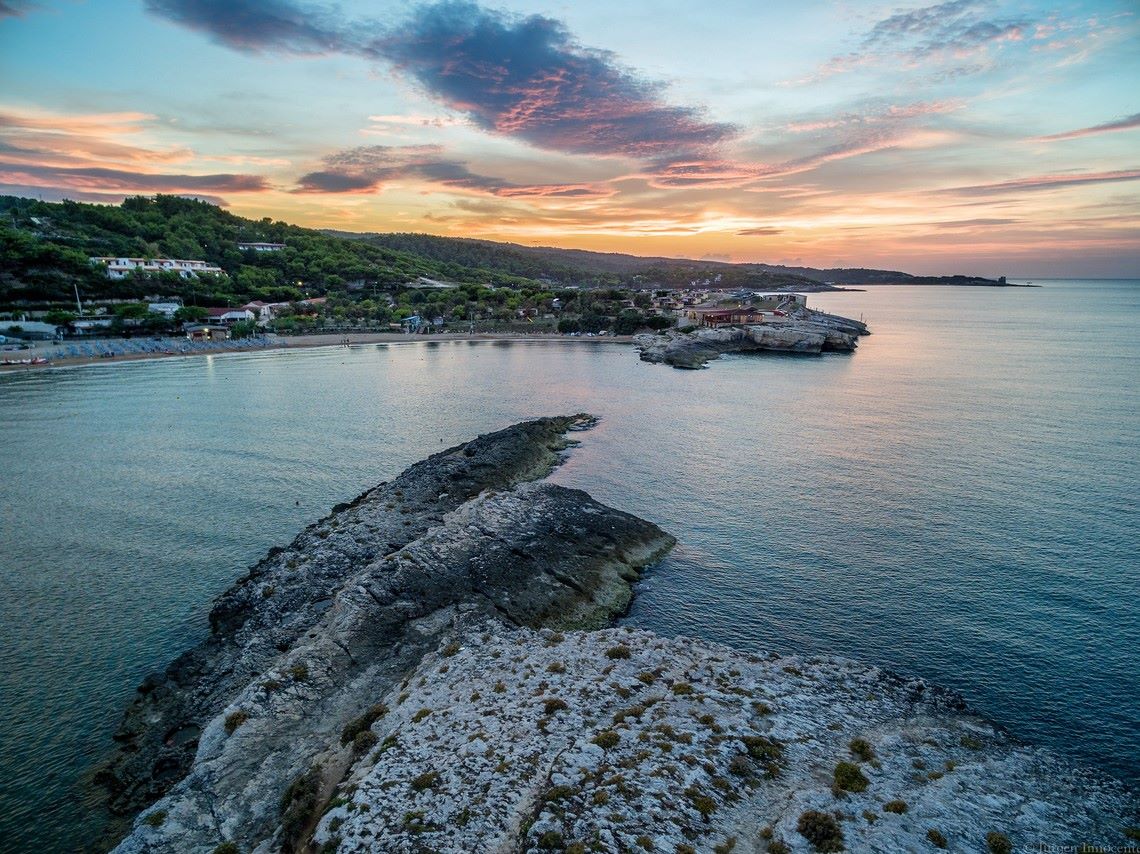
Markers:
(803, 331)
(428, 669)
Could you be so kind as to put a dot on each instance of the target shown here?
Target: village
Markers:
(416, 308)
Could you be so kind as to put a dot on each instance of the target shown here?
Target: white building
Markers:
(261, 247)
(166, 309)
(120, 268)
(229, 315)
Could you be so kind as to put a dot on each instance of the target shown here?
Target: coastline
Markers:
(294, 342)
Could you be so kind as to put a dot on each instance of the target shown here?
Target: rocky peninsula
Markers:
(804, 330)
(428, 669)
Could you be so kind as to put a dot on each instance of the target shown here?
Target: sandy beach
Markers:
(292, 342)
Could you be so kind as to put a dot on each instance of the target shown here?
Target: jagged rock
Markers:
(314, 631)
(804, 331)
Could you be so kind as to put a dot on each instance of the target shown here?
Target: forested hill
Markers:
(582, 267)
(45, 247)
(615, 268)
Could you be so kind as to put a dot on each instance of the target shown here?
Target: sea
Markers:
(956, 501)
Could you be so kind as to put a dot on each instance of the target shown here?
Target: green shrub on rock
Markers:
(849, 778)
(607, 739)
(234, 720)
(427, 780)
(998, 843)
(365, 721)
(364, 741)
(936, 838)
(821, 830)
(862, 749)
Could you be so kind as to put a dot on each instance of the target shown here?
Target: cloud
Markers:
(98, 178)
(1045, 182)
(102, 123)
(972, 223)
(724, 174)
(528, 78)
(257, 25)
(1128, 123)
(760, 231)
(945, 31)
(16, 8)
(367, 169)
(521, 77)
(84, 139)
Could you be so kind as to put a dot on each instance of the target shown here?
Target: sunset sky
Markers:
(974, 137)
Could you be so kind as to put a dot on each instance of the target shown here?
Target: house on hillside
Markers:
(260, 247)
(120, 268)
(228, 316)
(166, 309)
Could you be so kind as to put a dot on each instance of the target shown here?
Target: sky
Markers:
(986, 138)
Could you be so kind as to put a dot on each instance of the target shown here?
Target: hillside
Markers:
(44, 251)
(582, 267)
(46, 246)
(615, 268)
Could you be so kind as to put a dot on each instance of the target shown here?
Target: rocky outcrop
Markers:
(804, 331)
(424, 670)
(621, 740)
(302, 644)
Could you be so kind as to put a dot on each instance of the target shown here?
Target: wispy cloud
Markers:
(92, 139)
(98, 178)
(980, 222)
(16, 8)
(367, 169)
(1128, 123)
(953, 31)
(1045, 182)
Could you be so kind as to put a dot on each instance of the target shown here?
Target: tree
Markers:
(133, 311)
(628, 322)
(243, 329)
(191, 314)
(57, 317)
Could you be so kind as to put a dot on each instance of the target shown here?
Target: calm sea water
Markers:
(956, 500)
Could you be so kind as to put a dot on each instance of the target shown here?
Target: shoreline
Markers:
(294, 342)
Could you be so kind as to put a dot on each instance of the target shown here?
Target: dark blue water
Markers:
(956, 500)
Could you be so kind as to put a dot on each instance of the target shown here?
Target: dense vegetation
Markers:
(364, 283)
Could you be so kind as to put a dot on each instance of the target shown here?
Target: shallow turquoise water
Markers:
(956, 500)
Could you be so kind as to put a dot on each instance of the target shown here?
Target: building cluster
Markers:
(120, 268)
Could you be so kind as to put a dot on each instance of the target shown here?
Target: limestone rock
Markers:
(301, 645)
(804, 331)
